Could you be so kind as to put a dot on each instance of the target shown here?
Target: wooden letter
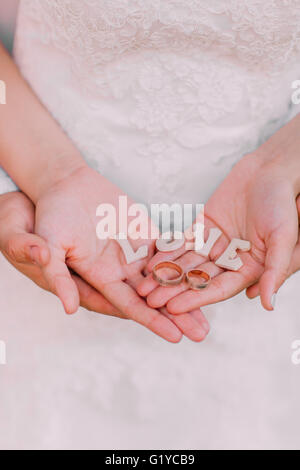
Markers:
(229, 259)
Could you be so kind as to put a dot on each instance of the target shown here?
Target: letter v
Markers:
(130, 255)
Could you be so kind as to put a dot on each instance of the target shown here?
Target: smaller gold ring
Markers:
(193, 276)
(168, 282)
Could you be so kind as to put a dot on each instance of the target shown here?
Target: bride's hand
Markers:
(66, 219)
(253, 291)
(256, 202)
(29, 253)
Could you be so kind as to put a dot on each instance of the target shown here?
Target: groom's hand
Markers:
(29, 253)
(66, 219)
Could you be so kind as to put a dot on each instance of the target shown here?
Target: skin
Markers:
(253, 291)
(32, 256)
(29, 253)
(256, 202)
(49, 169)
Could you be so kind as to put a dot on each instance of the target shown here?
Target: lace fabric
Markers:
(166, 86)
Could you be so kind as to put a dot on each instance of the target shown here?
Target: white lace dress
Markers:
(162, 97)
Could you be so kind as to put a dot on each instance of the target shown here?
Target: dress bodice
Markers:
(173, 90)
(96, 32)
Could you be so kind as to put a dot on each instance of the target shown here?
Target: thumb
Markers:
(277, 265)
(60, 281)
(27, 248)
(253, 291)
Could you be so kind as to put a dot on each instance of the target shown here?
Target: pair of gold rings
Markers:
(196, 279)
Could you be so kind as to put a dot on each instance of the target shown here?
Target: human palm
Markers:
(66, 219)
(255, 203)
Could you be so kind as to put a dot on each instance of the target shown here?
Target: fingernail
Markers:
(273, 301)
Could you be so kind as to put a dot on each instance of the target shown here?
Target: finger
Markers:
(253, 291)
(193, 325)
(125, 298)
(298, 206)
(148, 285)
(201, 318)
(31, 271)
(295, 264)
(185, 258)
(27, 248)
(278, 259)
(161, 296)
(216, 249)
(92, 300)
(143, 285)
(159, 257)
(60, 281)
(221, 287)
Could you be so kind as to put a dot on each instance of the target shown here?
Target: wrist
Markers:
(281, 153)
(16, 214)
(57, 169)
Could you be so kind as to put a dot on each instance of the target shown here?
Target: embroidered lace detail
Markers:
(96, 32)
(174, 76)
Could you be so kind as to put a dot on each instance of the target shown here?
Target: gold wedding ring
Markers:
(168, 282)
(197, 279)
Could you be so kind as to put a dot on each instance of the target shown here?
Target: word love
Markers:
(228, 260)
